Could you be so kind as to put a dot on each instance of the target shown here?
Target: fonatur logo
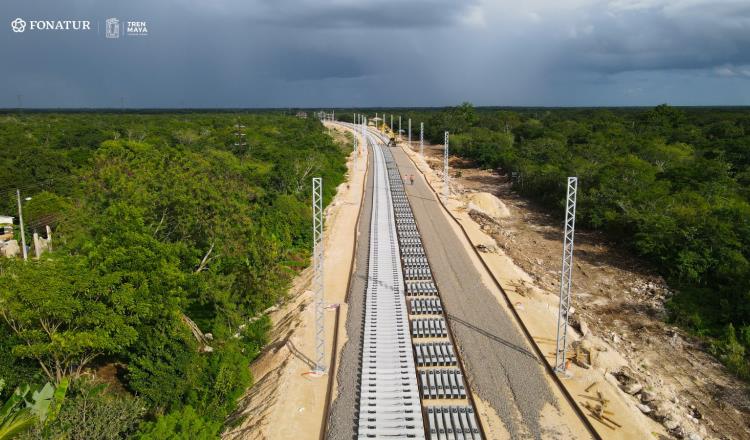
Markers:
(19, 25)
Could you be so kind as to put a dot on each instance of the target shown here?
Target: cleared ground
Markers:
(502, 369)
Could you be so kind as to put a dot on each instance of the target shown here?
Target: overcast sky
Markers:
(288, 53)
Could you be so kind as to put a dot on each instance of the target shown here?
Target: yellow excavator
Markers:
(392, 139)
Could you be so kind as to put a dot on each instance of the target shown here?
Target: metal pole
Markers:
(391, 123)
(317, 187)
(410, 133)
(399, 128)
(20, 222)
(446, 176)
(240, 135)
(421, 139)
(355, 145)
(566, 276)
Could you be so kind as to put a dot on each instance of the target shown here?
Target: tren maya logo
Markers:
(112, 28)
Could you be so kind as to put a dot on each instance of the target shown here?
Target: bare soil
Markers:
(619, 306)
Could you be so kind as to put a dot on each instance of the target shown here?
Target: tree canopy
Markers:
(163, 227)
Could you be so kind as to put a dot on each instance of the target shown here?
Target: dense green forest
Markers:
(671, 184)
(160, 221)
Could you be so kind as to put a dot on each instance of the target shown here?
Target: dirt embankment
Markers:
(286, 401)
(649, 374)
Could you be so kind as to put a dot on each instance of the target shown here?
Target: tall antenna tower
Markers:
(239, 136)
(566, 277)
(421, 139)
(317, 206)
(446, 176)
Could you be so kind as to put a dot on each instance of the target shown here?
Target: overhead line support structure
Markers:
(446, 176)
(318, 284)
(421, 139)
(566, 275)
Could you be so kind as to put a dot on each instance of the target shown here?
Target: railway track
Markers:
(411, 380)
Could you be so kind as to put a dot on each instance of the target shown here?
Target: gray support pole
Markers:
(20, 222)
(446, 176)
(566, 276)
(37, 246)
(409, 132)
(240, 143)
(355, 146)
(421, 139)
(49, 238)
(318, 285)
(391, 123)
(399, 128)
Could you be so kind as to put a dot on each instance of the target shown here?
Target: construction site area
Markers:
(485, 276)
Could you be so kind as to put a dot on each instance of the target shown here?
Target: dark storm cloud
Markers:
(386, 14)
(266, 53)
(298, 65)
(662, 36)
